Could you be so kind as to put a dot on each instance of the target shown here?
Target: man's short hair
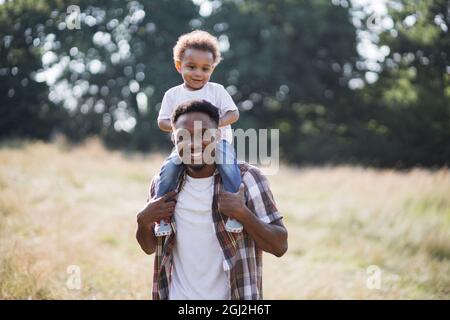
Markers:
(196, 106)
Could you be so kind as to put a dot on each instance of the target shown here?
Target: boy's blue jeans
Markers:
(226, 164)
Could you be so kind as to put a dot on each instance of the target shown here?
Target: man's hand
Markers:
(232, 204)
(158, 209)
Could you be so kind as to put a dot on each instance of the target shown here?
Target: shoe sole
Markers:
(234, 230)
(164, 233)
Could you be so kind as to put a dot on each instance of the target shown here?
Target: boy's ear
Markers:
(178, 66)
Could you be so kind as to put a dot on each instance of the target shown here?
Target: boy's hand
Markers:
(165, 125)
(229, 117)
(232, 204)
(161, 208)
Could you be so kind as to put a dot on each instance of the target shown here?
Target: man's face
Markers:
(196, 68)
(195, 137)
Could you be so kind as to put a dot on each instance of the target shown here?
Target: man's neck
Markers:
(206, 171)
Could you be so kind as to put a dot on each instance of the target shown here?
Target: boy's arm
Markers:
(165, 112)
(229, 117)
(165, 125)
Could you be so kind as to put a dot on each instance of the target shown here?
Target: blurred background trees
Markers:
(345, 82)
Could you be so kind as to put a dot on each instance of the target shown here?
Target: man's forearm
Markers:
(271, 238)
(146, 238)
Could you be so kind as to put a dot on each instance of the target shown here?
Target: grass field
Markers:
(63, 206)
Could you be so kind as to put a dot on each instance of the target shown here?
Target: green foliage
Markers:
(411, 95)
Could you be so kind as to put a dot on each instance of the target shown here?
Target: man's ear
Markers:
(218, 134)
(172, 135)
(178, 65)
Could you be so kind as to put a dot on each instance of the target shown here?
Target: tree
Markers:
(412, 96)
(25, 110)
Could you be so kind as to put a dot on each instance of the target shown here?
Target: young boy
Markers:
(196, 54)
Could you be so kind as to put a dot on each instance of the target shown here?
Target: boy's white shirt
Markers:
(212, 92)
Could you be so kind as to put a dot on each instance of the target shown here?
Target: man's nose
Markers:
(192, 146)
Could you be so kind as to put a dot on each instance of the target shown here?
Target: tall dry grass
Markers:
(63, 206)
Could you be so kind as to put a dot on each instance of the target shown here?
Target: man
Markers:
(200, 259)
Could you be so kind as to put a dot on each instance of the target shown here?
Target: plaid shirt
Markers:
(243, 258)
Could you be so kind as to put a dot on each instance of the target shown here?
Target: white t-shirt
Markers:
(198, 261)
(212, 92)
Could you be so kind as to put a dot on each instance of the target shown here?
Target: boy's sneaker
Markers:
(233, 225)
(163, 228)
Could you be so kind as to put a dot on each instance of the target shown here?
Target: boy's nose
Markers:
(197, 74)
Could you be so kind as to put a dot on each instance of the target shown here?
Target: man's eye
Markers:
(178, 138)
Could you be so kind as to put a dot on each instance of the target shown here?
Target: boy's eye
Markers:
(206, 69)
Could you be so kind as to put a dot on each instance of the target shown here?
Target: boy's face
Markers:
(196, 67)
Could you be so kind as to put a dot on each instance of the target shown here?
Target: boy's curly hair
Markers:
(200, 40)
